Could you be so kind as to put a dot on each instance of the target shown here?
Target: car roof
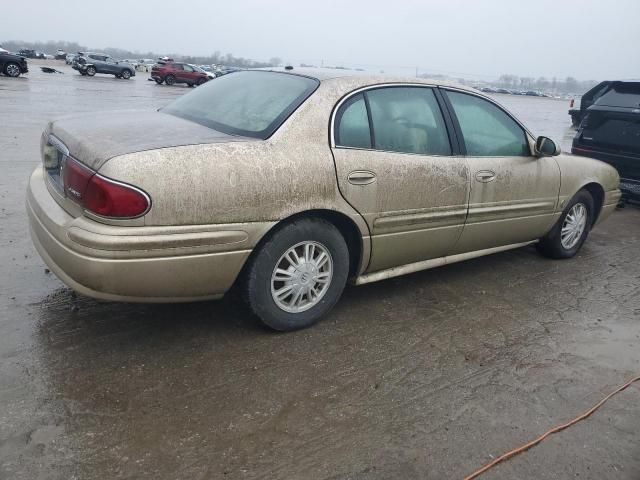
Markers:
(336, 74)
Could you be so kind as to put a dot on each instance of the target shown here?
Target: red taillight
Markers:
(113, 199)
(76, 178)
(571, 104)
(101, 195)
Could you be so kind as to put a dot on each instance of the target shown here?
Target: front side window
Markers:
(353, 124)
(187, 68)
(487, 130)
(247, 103)
(408, 120)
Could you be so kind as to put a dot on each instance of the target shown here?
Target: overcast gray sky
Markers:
(589, 39)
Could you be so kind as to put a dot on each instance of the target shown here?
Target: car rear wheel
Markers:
(298, 274)
(91, 71)
(126, 74)
(570, 232)
(12, 69)
(170, 80)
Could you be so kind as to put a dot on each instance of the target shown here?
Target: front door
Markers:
(395, 166)
(514, 195)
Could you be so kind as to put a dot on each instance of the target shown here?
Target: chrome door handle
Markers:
(361, 177)
(485, 176)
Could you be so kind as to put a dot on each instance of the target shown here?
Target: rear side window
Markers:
(353, 124)
(408, 120)
(403, 119)
(487, 130)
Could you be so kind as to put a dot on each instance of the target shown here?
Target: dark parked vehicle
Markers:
(12, 65)
(175, 72)
(90, 63)
(27, 52)
(578, 108)
(610, 131)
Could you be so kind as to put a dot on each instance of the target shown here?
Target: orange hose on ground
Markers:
(556, 429)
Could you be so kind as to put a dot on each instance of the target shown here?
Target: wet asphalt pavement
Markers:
(425, 376)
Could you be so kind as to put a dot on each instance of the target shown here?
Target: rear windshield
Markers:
(621, 94)
(248, 103)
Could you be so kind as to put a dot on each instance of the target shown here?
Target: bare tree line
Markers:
(555, 85)
(51, 47)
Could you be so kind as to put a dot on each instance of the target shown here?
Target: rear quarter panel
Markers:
(252, 181)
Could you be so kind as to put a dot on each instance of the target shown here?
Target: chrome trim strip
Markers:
(432, 263)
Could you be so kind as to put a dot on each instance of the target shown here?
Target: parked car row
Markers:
(529, 93)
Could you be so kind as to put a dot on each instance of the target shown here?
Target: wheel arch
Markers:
(352, 234)
(597, 192)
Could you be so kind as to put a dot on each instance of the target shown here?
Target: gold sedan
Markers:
(291, 183)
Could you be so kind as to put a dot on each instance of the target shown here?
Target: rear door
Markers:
(396, 164)
(514, 194)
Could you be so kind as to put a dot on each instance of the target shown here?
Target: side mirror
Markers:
(545, 147)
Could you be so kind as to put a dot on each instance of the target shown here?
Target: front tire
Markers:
(570, 232)
(12, 69)
(158, 81)
(126, 74)
(298, 275)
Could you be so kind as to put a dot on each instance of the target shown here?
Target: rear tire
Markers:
(298, 274)
(91, 71)
(12, 69)
(570, 232)
(170, 80)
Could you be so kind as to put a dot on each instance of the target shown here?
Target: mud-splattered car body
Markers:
(215, 197)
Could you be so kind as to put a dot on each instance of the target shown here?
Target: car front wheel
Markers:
(126, 74)
(567, 236)
(158, 81)
(298, 275)
(12, 69)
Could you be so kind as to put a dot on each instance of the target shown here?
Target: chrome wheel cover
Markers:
(573, 226)
(301, 277)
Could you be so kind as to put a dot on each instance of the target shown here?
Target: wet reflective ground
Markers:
(425, 376)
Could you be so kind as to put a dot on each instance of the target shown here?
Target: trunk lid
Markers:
(94, 139)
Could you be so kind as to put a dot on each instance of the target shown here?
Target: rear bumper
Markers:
(137, 264)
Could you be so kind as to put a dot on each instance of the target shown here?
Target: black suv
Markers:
(610, 131)
(12, 65)
(91, 63)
